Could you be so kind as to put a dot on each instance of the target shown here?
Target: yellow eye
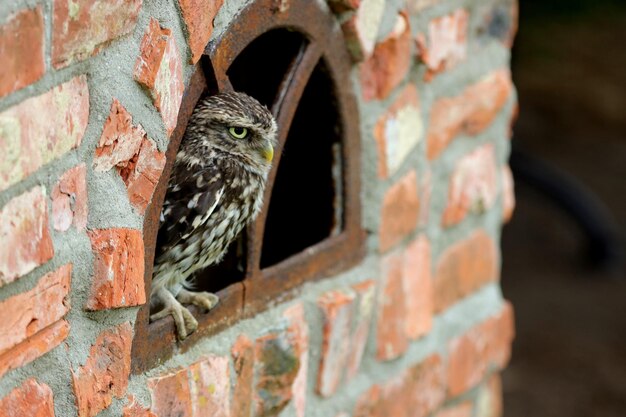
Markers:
(238, 132)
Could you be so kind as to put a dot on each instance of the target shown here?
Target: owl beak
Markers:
(268, 152)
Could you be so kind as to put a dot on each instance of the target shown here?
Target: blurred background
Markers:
(562, 266)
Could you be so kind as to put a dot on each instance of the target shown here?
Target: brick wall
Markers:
(89, 94)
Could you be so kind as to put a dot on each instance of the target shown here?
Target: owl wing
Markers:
(192, 196)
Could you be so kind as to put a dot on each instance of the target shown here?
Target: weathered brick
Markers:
(391, 333)
(389, 64)
(337, 309)
(418, 391)
(425, 190)
(118, 269)
(418, 288)
(282, 358)
(69, 200)
(135, 409)
(473, 186)
(484, 347)
(446, 45)
(25, 314)
(136, 157)
(365, 301)
(34, 347)
(159, 69)
(22, 39)
(398, 131)
(469, 113)
(361, 29)
(489, 403)
(24, 229)
(81, 28)
(464, 267)
(142, 174)
(105, 374)
(461, 410)
(42, 128)
(242, 353)
(171, 394)
(209, 381)
(400, 211)
(120, 140)
(198, 16)
(508, 193)
(29, 399)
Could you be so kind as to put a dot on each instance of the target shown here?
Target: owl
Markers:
(215, 190)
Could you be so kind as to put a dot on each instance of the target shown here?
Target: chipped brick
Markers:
(198, 16)
(400, 211)
(118, 269)
(69, 200)
(29, 399)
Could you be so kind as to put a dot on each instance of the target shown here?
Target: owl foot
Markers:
(184, 320)
(205, 300)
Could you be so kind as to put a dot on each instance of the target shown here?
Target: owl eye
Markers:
(238, 132)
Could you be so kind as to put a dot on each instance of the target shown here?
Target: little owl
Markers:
(215, 190)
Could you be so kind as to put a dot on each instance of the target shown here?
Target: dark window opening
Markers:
(306, 204)
(261, 67)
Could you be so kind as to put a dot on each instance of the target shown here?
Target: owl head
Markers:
(233, 125)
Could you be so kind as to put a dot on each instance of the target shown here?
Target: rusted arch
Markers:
(155, 342)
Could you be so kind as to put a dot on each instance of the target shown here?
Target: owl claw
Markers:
(205, 300)
(184, 320)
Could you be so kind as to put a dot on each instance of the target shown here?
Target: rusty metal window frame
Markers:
(155, 342)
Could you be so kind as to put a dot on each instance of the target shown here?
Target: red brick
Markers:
(31, 399)
(142, 174)
(105, 374)
(171, 395)
(242, 353)
(128, 148)
(69, 200)
(469, 113)
(472, 355)
(22, 38)
(282, 358)
(159, 69)
(391, 333)
(417, 392)
(135, 409)
(27, 317)
(418, 289)
(461, 410)
(42, 128)
(389, 63)
(27, 313)
(447, 42)
(398, 131)
(337, 309)
(81, 28)
(489, 402)
(120, 140)
(210, 387)
(24, 229)
(118, 269)
(400, 211)
(198, 16)
(361, 29)
(34, 347)
(473, 186)
(508, 193)
(464, 267)
(365, 301)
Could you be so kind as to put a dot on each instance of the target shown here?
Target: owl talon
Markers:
(184, 320)
(205, 300)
